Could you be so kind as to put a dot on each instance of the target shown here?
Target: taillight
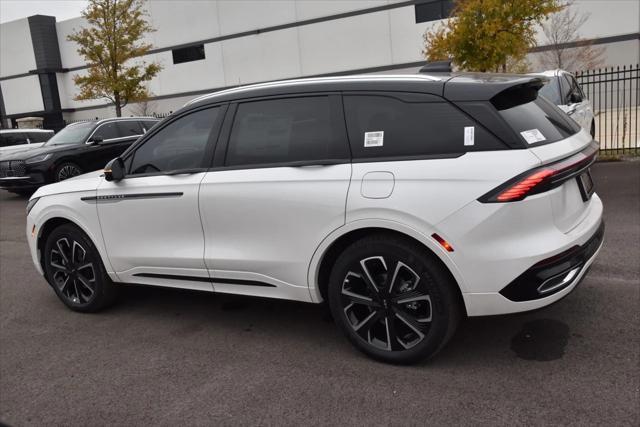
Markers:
(542, 179)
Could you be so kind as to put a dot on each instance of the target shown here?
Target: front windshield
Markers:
(551, 91)
(74, 134)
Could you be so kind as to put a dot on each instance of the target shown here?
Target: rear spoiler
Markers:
(501, 89)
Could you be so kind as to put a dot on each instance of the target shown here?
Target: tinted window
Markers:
(551, 91)
(40, 136)
(107, 131)
(433, 10)
(148, 124)
(129, 128)
(179, 145)
(565, 90)
(539, 122)
(284, 130)
(388, 127)
(188, 54)
(12, 138)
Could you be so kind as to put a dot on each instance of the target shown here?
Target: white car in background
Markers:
(12, 140)
(564, 91)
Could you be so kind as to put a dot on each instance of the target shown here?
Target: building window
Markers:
(433, 10)
(188, 54)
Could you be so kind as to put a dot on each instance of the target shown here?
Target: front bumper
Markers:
(21, 182)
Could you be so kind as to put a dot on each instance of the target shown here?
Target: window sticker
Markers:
(469, 135)
(374, 139)
(532, 136)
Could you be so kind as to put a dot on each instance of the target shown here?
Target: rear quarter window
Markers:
(388, 127)
(539, 122)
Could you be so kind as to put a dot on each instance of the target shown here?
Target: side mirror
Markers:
(114, 170)
(97, 139)
(574, 98)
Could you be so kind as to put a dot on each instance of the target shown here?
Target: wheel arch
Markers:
(54, 220)
(331, 248)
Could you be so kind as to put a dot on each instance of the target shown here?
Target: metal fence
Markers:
(614, 94)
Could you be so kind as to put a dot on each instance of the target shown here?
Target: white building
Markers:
(209, 45)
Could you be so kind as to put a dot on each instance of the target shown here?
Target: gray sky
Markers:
(11, 10)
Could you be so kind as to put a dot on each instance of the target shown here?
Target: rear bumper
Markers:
(553, 274)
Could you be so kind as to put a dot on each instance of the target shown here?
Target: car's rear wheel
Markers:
(74, 269)
(393, 300)
(67, 170)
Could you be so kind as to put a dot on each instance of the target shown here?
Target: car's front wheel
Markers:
(74, 269)
(67, 170)
(393, 300)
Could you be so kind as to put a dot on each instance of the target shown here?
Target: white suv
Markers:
(563, 90)
(406, 202)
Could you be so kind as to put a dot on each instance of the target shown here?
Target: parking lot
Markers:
(167, 357)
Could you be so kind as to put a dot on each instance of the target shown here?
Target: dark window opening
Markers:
(188, 54)
(433, 10)
(283, 131)
(384, 127)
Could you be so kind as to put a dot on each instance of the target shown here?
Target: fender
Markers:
(79, 217)
(316, 260)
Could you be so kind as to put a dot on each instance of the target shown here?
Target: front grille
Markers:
(11, 168)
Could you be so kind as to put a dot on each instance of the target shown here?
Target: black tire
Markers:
(66, 170)
(74, 270)
(423, 299)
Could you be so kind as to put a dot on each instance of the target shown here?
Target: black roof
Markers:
(452, 86)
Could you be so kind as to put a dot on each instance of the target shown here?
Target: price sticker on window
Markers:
(373, 139)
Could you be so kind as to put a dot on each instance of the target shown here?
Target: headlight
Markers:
(38, 159)
(31, 204)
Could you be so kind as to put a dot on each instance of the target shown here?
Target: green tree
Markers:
(488, 35)
(109, 46)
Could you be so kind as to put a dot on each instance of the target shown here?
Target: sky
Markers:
(11, 10)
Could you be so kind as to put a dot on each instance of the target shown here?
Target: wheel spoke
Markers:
(64, 285)
(413, 283)
(58, 266)
(407, 320)
(369, 321)
(75, 287)
(359, 299)
(392, 333)
(84, 283)
(367, 274)
(61, 250)
(75, 258)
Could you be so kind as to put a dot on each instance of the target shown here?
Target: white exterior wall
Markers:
(24, 93)
(17, 50)
(376, 39)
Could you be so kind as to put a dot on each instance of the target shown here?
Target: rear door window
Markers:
(107, 131)
(128, 128)
(551, 91)
(40, 136)
(388, 127)
(281, 131)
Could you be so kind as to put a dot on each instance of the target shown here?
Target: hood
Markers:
(6, 151)
(87, 182)
(31, 152)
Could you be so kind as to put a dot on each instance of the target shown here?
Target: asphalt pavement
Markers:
(168, 357)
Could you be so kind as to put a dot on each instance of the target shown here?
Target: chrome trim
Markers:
(567, 279)
(11, 178)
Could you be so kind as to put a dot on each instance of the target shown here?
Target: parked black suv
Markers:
(76, 149)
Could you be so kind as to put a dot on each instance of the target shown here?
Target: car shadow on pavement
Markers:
(527, 336)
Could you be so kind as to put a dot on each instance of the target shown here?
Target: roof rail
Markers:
(437, 67)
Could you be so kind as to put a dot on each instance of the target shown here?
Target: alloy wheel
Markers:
(386, 304)
(73, 273)
(68, 171)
